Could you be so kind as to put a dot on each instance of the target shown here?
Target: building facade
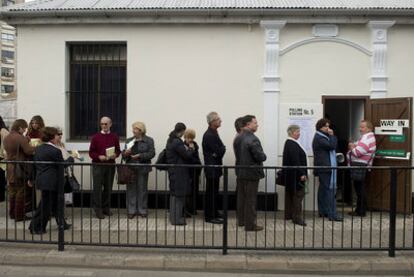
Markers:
(171, 62)
(8, 92)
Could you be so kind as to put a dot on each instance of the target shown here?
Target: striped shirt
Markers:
(365, 149)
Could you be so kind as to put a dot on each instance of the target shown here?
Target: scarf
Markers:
(332, 158)
(303, 149)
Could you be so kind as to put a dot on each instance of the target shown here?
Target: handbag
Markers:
(279, 178)
(71, 183)
(126, 174)
(359, 174)
(162, 159)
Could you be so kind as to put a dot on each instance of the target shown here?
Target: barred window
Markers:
(97, 88)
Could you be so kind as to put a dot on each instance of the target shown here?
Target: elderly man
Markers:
(363, 153)
(248, 151)
(213, 151)
(103, 150)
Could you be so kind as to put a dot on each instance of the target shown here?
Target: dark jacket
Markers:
(249, 151)
(47, 175)
(213, 152)
(293, 155)
(145, 149)
(195, 160)
(179, 177)
(321, 148)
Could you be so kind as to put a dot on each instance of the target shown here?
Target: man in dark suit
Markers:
(213, 151)
(48, 177)
(248, 151)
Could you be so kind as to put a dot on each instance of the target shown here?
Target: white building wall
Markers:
(181, 72)
(174, 73)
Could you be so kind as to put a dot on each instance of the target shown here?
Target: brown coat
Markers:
(18, 149)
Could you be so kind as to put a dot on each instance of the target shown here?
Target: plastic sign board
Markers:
(403, 123)
(391, 153)
(400, 139)
(388, 130)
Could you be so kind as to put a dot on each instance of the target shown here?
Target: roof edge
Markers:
(203, 16)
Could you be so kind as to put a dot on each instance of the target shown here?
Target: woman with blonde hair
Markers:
(191, 198)
(139, 149)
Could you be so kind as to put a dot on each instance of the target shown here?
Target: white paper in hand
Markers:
(130, 144)
(110, 151)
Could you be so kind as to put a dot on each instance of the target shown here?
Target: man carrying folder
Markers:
(104, 149)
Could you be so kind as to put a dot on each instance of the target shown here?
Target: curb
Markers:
(377, 263)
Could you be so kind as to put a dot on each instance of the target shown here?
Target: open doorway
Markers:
(345, 114)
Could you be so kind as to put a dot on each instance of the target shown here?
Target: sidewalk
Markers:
(374, 263)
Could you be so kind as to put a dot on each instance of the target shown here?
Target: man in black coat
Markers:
(249, 152)
(213, 151)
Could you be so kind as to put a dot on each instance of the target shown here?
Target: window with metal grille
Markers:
(97, 88)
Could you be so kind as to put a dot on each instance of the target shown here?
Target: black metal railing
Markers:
(387, 224)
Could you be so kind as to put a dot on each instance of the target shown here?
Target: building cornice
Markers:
(204, 16)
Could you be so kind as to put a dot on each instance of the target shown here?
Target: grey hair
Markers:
(211, 117)
(292, 128)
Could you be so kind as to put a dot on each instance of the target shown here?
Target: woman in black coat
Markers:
(294, 178)
(48, 177)
(178, 153)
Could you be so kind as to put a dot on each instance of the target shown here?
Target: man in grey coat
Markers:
(249, 152)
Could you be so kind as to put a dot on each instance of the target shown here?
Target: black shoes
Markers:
(67, 226)
(217, 220)
(179, 223)
(256, 228)
(357, 214)
(107, 212)
(99, 215)
(336, 218)
(299, 222)
(39, 232)
(23, 219)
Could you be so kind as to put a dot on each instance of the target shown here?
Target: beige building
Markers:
(8, 92)
(169, 61)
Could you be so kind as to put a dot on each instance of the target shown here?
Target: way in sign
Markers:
(394, 123)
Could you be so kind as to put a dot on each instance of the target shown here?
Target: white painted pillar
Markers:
(379, 78)
(271, 96)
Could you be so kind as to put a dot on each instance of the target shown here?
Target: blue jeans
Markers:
(326, 197)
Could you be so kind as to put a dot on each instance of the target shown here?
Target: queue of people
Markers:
(183, 181)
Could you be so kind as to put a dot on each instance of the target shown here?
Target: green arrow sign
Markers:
(391, 153)
(397, 138)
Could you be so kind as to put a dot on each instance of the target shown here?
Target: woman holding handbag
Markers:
(139, 149)
(361, 153)
(48, 177)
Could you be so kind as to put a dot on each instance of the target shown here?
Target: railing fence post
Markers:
(393, 210)
(225, 209)
(60, 209)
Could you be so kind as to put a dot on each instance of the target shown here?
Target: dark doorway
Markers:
(345, 115)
